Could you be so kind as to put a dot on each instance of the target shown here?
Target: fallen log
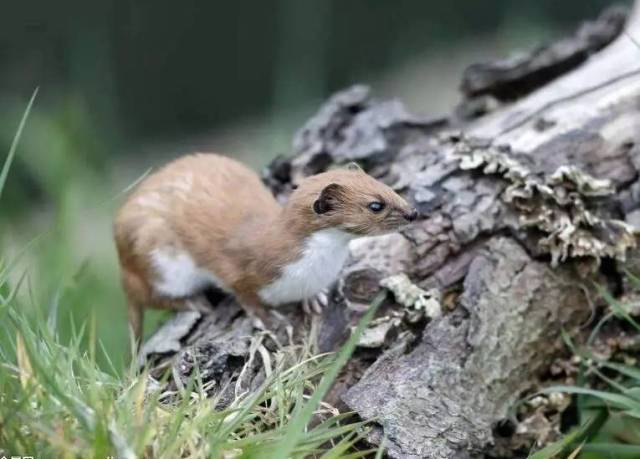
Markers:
(525, 204)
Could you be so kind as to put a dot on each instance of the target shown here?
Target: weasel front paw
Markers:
(316, 304)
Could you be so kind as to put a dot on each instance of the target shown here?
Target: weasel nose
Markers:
(411, 216)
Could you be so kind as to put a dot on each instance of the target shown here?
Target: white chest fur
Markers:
(322, 259)
(177, 274)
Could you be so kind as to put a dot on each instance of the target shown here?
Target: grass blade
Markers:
(619, 451)
(618, 400)
(16, 139)
(300, 420)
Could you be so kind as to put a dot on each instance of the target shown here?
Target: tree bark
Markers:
(527, 194)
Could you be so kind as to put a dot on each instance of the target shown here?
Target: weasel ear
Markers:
(352, 166)
(329, 197)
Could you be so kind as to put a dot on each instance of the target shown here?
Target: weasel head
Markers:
(350, 200)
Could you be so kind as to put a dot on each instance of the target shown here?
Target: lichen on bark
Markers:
(566, 207)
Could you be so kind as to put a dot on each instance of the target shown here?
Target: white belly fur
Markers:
(177, 274)
(323, 256)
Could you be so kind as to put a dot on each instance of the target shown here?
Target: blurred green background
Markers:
(127, 85)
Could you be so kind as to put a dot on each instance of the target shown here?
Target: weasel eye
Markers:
(376, 206)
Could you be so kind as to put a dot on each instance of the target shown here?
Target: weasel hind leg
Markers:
(137, 293)
(260, 313)
(136, 321)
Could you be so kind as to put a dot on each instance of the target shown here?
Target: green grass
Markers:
(607, 397)
(56, 402)
(66, 391)
(55, 229)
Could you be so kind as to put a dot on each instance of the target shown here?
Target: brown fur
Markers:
(220, 213)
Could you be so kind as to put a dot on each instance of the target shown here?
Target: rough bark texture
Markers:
(510, 78)
(521, 210)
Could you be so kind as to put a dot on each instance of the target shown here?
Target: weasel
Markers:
(207, 220)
